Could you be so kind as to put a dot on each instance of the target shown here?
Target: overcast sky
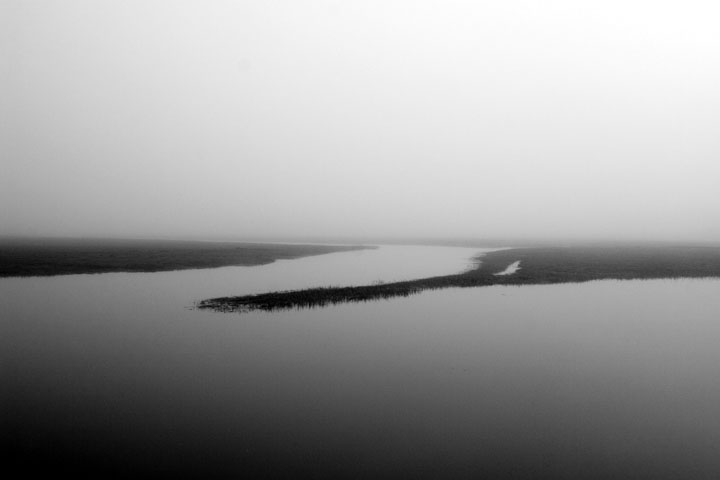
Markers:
(564, 118)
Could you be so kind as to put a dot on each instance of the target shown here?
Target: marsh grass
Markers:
(48, 257)
(546, 265)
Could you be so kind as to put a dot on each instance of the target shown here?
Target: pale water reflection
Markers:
(512, 268)
(596, 380)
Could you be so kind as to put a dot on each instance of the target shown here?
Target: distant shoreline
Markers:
(541, 265)
(61, 256)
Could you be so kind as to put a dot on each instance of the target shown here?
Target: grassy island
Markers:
(24, 257)
(538, 265)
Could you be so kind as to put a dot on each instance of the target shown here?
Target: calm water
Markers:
(597, 380)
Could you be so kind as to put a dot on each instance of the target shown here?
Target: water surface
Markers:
(597, 380)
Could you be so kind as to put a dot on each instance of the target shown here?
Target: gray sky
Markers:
(393, 118)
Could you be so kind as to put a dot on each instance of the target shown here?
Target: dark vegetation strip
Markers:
(539, 266)
(45, 257)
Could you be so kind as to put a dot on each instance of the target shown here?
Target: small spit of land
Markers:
(538, 265)
(23, 257)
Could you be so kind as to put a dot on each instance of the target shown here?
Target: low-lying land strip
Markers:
(45, 257)
(542, 265)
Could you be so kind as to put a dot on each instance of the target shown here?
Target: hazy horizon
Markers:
(374, 119)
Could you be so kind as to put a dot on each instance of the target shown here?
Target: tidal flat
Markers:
(539, 265)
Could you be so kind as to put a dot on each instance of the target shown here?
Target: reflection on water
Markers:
(597, 380)
(512, 268)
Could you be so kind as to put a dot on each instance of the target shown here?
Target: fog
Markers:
(554, 119)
